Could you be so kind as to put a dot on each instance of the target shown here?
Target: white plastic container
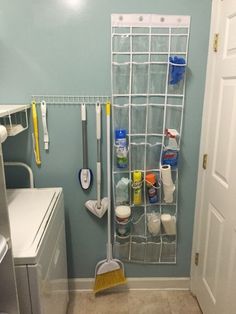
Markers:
(169, 224)
(123, 224)
(122, 213)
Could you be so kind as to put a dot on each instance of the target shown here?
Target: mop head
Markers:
(92, 206)
(109, 275)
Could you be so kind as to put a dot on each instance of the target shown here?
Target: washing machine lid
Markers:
(29, 214)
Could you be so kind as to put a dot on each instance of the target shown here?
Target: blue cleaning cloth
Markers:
(177, 72)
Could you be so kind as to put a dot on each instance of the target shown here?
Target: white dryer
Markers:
(38, 239)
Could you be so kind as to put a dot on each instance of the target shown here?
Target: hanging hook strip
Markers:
(70, 99)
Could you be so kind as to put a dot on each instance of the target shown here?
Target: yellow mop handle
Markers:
(108, 108)
(36, 133)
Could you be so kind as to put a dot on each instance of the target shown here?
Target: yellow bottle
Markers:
(137, 187)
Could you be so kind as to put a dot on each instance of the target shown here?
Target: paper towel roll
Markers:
(166, 175)
(3, 133)
(169, 223)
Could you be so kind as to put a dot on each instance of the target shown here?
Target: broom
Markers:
(109, 272)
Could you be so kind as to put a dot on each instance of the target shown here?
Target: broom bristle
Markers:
(108, 280)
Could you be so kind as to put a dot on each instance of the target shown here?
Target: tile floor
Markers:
(134, 302)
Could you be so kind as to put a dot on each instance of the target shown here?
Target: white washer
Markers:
(39, 249)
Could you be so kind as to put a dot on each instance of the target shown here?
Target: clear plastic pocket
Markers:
(122, 189)
(173, 118)
(168, 252)
(138, 247)
(160, 43)
(138, 119)
(121, 43)
(122, 248)
(178, 43)
(137, 151)
(140, 79)
(121, 117)
(121, 78)
(153, 155)
(158, 74)
(140, 43)
(139, 226)
(155, 119)
(153, 250)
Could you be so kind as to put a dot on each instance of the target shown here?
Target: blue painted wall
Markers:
(63, 47)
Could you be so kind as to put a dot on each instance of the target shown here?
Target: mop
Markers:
(109, 272)
(98, 207)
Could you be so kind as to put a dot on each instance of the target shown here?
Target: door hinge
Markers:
(216, 42)
(204, 161)
(196, 258)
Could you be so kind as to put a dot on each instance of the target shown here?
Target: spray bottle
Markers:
(151, 187)
(137, 187)
(121, 148)
(171, 151)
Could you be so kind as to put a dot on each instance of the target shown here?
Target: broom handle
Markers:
(109, 245)
(98, 134)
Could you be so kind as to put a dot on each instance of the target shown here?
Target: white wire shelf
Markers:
(6, 110)
(70, 99)
(14, 118)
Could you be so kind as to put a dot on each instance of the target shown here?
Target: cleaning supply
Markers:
(151, 187)
(122, 213)
(169, 223)
(122, 191)
(123, 223)
(168, 185)
(154, 223)
(98, 207)
(177, 69)
(35, 135)
(121, 148)
(85, 174)
(137, 187)
(171, 151)
(109, 272)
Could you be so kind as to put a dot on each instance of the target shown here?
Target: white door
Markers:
(214, 279)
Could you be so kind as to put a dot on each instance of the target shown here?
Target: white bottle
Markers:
(169, 224)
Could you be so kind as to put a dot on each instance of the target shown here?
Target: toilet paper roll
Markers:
(168, 192)
(166, 175)
(169, 224)
(3, 133)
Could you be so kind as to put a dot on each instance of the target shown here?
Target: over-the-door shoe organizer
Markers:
(149, 57)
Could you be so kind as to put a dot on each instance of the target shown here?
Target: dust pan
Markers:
(109, 272)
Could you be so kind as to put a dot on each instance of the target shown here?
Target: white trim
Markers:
(145, 20)
(144, 283)
(204, 144)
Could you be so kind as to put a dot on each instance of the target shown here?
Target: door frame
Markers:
(205, 127)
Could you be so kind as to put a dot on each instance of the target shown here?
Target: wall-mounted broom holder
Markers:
(149, 58)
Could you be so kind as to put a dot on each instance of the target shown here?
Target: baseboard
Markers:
(147, 283)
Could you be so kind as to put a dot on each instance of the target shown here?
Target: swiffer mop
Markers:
(109, 272)
(98, 207)
(85, 174)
